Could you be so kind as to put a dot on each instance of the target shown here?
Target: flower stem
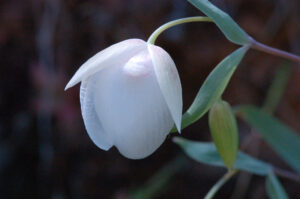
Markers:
(170, 24)
(220, 183)
(287, 174)
(273, 51)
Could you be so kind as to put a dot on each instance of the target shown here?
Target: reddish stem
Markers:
(273, 51)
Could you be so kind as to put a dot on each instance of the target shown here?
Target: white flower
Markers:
(130, 97)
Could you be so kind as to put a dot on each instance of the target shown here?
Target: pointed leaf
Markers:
(206, 152)
(274, 188)
(281, 138)
(277, 87)
(161, 180)
(228, 26)
(213, 87)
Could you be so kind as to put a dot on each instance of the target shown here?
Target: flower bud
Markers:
(224, 131)
(130, 97)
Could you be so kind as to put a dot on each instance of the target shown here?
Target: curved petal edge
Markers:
(114, 54)
(169, 81)
(91, 121)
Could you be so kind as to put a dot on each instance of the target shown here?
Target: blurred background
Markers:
(45, 151)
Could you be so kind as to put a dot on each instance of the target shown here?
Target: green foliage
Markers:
(277, 88)
(222, 122)
(206, 152)
(228, 26)
(213, 87)
(158, 182)
(274, 188)
(280, 137)
(224, 131)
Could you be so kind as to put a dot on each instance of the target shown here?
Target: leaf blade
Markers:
(206, 152)
(158, 182)
(281, 138)
(228, 26)
(213, 87)
(274, 188)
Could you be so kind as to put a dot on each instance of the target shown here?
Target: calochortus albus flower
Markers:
(130, 97)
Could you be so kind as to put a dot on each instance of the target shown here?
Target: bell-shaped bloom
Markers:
(130, 97)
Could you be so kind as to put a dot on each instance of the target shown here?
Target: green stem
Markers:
(220, 183)
(170, 24)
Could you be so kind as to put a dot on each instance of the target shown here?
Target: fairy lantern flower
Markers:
(130, 97)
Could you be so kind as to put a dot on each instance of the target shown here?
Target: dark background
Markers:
(45, 151)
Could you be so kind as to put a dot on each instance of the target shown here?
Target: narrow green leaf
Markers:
(228, 26)
(159, 181)
(213, 87)
(274, 189)
(281, 138)
(206, 152)
(277, 87)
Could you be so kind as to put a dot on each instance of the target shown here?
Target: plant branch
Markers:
(220, 183)
(273, 51)
(287, 174)
(170, 24)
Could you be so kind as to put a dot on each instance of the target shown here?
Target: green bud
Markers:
(224, 131)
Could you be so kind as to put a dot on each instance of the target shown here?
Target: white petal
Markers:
(117, 53)
(131, 107)
(90, 118)
(168, 80)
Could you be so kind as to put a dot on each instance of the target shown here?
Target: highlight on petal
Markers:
(169, 81)
(131, 107)
(90, 118)
(116, 54)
